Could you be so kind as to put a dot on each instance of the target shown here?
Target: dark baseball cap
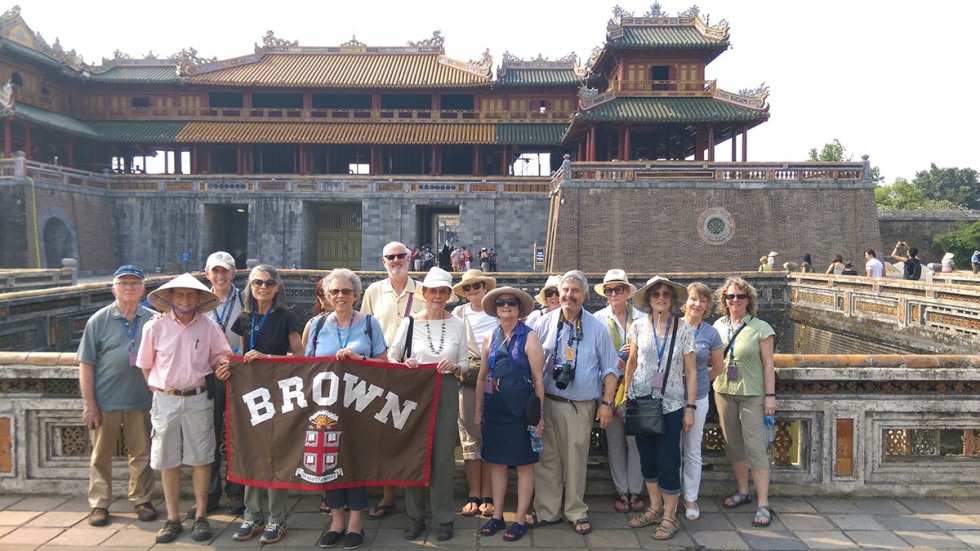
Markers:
(128, 270)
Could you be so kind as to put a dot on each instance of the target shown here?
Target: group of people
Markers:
(523, 381)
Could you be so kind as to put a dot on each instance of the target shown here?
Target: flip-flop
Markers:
(472, 507)
(380, 511)
(486, 508)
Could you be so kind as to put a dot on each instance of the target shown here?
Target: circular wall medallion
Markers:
(715, 226)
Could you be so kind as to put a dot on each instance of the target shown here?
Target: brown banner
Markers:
(311, 424)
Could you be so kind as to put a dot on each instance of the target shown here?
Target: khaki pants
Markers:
(563, 461)
(134, 427)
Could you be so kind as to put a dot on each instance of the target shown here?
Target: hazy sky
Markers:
(893, 80)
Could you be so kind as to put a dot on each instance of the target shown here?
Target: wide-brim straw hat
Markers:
(527, 303)
(162, 298)
(552, 281)
(773, 253)
(643, 305)
(947, 255)
(615, 276)
(437, 277)
(472, 276)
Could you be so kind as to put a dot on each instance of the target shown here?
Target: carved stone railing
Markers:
(869, 425)
(716, 172)
(12, 281)
(930, 317)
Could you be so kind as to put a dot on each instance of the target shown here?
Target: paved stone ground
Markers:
(37, 522)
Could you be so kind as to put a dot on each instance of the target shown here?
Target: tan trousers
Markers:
(564, 459)
(134, 427)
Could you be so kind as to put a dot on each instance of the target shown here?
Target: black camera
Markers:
(563, 375)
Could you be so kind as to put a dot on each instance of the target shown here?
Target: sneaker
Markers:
(237, 504)
(169, 531)
(273, 533)
(98, 517)
(201, 530)
(247, 530)
(146, 512)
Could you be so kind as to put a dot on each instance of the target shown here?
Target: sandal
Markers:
(643, 520)
(380, 511)
(737, 500)
(622, 504)
(692, 511)
(492, 525)
(515, 532)
(636, 503)
(582, 527)
(472, 507)
(486, 508)
(531, 521)
(666, 531)
(763, 516)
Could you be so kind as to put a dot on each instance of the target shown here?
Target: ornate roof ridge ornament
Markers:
(14, 28)
(436, 41)
(564, 63)
(657, 17)
(270, 40)
(752, 98)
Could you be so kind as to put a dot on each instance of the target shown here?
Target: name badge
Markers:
(488, 385)
(732, 371)
(657, 380)
(132, 358)
(569, 354)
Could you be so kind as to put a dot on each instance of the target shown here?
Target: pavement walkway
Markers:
(44, 522)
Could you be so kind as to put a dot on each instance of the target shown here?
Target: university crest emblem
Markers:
(321, 450)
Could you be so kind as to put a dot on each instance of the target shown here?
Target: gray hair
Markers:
(343, 273)
(578, 276)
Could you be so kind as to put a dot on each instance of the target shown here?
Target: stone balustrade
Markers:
(870, 425)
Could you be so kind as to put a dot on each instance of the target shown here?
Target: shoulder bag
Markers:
(645, 414)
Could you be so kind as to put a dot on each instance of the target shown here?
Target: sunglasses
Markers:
(610, 291)
(657, 294)
(338, 292)
(739, 296)
(551, 293)
(512, 302)
(264, 282)
(399, 256)
(473, 287)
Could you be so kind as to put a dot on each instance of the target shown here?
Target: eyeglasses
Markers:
(338, 292)
(513, 302)
(473, 287)
(264, 282)
(399, 256)
(439, 290)
(739, 296)
(657, 294)
(551, 293)
(610, 291)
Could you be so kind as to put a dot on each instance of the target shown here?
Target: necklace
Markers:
(442, 337)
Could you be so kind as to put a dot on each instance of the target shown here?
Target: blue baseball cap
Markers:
(129, 270)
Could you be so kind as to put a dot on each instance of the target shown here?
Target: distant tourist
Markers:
(764, 265)
(484, 260)
(493, 259)
(807, 265)
(948, 263)
(873, 267)
(913, 267)
(836, 266)
(772, 260)
(975, 261)
(849, 269)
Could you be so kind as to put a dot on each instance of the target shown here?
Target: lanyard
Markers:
(731, 337)
(698, 330)
(657, 346)
(222, 318)
(131, 333)
(576, 337)
(256, 329)
(350, 329)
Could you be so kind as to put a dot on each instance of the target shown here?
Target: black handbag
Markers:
(645, 414)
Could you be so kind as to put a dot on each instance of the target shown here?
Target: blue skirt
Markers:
(505, 437)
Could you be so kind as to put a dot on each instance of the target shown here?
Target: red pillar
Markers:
(477, 169)
(591, 147)
(238, 161)
(626, 144)
(503, 162)
(435, 160)
(711, 143)
(734, 148)
(375, 167)
(699, 144)
(745, 144)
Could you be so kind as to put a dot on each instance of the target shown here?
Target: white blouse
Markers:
(433, 340)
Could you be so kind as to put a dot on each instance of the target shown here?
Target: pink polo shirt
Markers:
(179, 356)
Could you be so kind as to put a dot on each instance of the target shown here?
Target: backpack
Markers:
(913, 269)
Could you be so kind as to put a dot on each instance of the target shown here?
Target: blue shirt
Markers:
(595, 355)
(356, 337)
(705, 340)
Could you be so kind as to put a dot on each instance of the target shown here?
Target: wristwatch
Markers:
(608, 403)
(691, 406)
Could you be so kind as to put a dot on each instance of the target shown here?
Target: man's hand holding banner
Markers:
(319, 424)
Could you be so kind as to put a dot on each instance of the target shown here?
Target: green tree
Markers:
(961, 242)
(957, 185)
(835, 152)
(904, 195)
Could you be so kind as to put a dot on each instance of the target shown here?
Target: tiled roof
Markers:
(367, 133)
(32, 54)
(165, 74)
(665, 37)
(539, 77)
(138, 132)
(671, 110)
(530, 134)
(52, 120)
(343, 70)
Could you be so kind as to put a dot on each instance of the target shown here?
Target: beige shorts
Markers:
(182, 431)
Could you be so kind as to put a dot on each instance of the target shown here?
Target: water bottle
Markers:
(536, 444)
(770, 423)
